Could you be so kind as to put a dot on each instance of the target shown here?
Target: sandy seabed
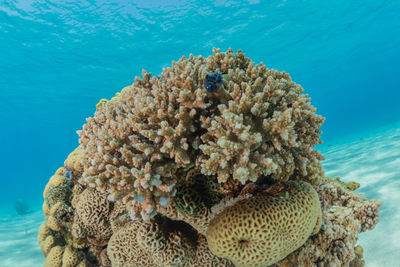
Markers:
(18, 240)
(374, 162)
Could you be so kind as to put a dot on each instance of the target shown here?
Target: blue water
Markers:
(58, 58)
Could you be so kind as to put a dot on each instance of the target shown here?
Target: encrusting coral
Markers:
(210, 163)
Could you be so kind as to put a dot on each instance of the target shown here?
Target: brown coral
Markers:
(140, 147)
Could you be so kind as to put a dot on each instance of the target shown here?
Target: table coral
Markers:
(175, 161)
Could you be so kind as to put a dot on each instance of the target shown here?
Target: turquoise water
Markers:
(58, 58)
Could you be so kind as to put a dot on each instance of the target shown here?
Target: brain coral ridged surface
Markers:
(262, 230)
(210, 163)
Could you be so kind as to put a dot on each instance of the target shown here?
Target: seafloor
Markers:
(372, 161)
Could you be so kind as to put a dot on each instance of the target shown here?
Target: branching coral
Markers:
(139, 147)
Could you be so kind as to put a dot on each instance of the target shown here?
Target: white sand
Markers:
(374, 162)
(18, 240)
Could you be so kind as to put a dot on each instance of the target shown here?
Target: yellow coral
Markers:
(43, 233)
(265, 229)
(54, 258)
(70, 257)
(73, 160)
(54, 181)
(101, 102)
(45, 209)
(53, 224)
(61, 171)
(55, 207)
(349, 185)
(113, 100)
(48, 244)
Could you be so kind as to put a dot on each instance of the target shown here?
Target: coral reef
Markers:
(210, 163)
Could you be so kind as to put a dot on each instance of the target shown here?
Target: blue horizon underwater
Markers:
(57, 60)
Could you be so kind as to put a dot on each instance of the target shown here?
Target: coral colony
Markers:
(196, 168)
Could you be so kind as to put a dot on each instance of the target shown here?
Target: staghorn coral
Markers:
(165, 160)
(262, 229)
(138, 148)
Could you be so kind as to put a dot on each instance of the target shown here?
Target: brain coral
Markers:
(139, 146)
(212, 158)
(92, 211)
(123, 249)
(261, 230)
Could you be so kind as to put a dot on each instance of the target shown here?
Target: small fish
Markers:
(68, 174)
(213, 81)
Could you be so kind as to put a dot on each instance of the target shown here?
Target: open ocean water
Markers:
(59, 58)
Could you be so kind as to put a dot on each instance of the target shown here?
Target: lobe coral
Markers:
(168, 168)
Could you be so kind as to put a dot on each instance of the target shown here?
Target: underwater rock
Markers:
(165, 168)
(21, 206)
